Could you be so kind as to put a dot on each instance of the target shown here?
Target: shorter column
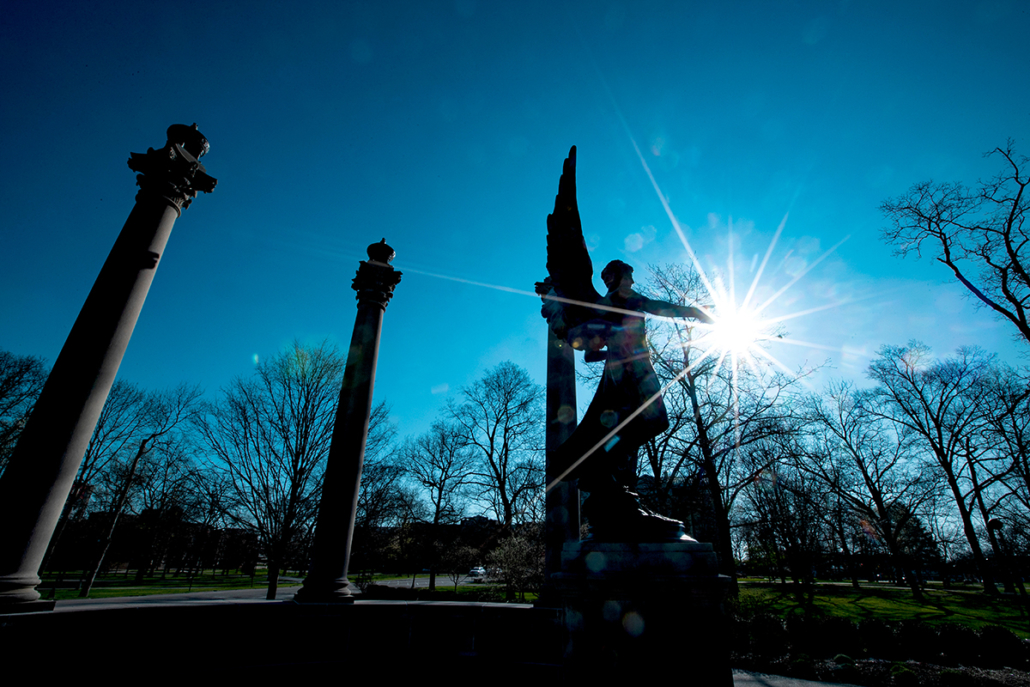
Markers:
(327, 578)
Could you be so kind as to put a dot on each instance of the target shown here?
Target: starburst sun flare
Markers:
(735, 330)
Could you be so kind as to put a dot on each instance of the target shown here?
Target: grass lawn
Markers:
(117, 584)
(940, 606)
(115, 592)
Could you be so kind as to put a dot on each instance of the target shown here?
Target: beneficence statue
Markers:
(627, 410)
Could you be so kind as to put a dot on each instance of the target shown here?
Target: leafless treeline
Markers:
(922, 471)
(168, 475)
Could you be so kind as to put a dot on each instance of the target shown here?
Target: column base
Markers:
(20, 590)
(38, 606)
(324, 592)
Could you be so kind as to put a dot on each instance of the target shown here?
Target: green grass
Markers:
(938, 607)
(118, 585)
(118, 592)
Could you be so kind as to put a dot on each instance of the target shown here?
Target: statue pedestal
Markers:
(630, 607)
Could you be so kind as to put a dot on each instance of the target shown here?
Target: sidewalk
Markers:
(743, 678)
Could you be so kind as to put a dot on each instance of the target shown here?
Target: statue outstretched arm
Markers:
(664, 309)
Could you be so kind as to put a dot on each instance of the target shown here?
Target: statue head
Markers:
(614, 272)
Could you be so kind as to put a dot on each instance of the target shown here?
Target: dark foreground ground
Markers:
(238, 633)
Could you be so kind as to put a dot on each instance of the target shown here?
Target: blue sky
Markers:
(442, 126)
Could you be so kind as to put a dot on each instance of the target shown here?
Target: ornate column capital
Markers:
(174, 172)
(375, 279)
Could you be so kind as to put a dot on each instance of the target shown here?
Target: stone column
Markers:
(327, 578)
(561, 519)
(36, 484)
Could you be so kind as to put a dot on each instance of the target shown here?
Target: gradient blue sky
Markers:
(442, 126)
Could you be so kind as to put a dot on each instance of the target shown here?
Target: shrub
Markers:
(823, 636)
(958, 644)
(845, 673)
(918, 641)
(802, 666)
(903, 676)
(842, 636)
(999, 647)
(878, 638)
(805, 635)
(768, 636)
(740, 634)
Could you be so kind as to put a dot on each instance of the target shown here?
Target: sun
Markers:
(735, 331)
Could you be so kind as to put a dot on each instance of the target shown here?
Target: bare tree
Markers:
(789, 506)
(384, 500)
(726, 408)
(978, 233)
(122, 421)
(125, 415)
(162, 440)
(21, 379)
(500, 419)
(940, 404)
(870, 466)
(1008, 400)
(441, 463)
(271, 434)
(458, 560)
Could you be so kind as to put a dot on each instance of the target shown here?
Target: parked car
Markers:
(477, 572)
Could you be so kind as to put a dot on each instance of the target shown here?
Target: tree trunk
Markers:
(61, 525)
(970, 532)
(1010, 588)
(723, 543)
(273, 579)
(123, 496)
(848, 555)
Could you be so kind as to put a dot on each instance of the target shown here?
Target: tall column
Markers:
(327, 578)
(39, 477)
(561, 519)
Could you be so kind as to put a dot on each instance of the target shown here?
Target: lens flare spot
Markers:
(611, 611)
(633, 624)
(595, 562)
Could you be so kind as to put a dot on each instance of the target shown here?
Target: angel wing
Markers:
(568, 262)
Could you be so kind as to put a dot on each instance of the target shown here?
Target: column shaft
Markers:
(330, 553)
(39, 477)
(561, 521)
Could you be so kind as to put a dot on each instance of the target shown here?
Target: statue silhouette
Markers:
(627, 410)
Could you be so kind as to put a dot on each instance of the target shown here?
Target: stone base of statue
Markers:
(629, 607)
